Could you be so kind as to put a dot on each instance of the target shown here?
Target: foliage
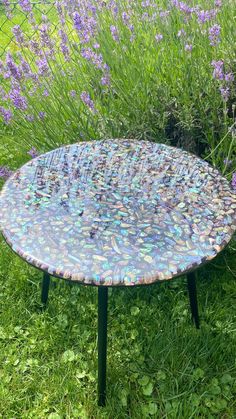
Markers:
(162, 71)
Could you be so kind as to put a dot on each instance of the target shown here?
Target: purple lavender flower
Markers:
(13, 69)
(86, 99)
(64, 47)
(234, 181)
(29, 118)
(17, 99)
(42, 114)
(73, 93)
(5, 172)
(46, 41)
(18, 34)
(43, 67)
(227, 162)
(7, 5)
(214, 35)
(105, 80)
(225, 93)
(45, 93)
(188, 47)
(78, 22)
(218, 72)
(229, 77)
(25, 5)
(125, 18)
(7, 114)
(114, 33)
(206, 15)
(158, 37)
(33, 152)
(181, 32)
(218, 3)
(25, 68)
(35, 47)
(92, 56)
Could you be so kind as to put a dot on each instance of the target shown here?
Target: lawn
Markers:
(159, 365)
(135, 77)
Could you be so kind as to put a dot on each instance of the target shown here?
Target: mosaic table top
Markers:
(117, 212)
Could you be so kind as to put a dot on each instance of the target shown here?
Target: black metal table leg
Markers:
(45, 288)
(102, 344)
(193, 298)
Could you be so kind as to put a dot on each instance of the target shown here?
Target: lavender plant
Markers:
(158, 70)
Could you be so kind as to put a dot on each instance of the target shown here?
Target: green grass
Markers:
(159, 365)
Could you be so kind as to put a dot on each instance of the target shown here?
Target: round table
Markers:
(117, 213)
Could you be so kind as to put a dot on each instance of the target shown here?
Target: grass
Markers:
(159, 365)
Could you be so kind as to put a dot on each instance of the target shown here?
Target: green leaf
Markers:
(144, 380)
(152, 408)
(54, 416)
(134, 311)
(161, 375)
(80, 374)
(226, 379)
(68, 356)
(198, 373)
(148, 389)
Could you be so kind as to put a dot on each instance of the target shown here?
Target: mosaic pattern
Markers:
(117, 212)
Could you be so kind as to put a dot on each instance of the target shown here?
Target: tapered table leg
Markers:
(193, 298)
(45, 288)
(102, 344)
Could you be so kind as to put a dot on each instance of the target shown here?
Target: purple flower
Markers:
(46, 41)
(45, 93)
(229, 77)
(125, 18)
(25, 5)
(29, 118)
(33, 152)
(7, 5)
(218, 72)
(96, 59)
(78, 23)
(73, 93)
(43, 67)
(158, 37)
(188, 47)
(14, 71)
(5, 172)
(114, 33)
(35, 47)
(64, 47)
(181, 32)
(227, 162)
(17, 99)
(214, 35)
(25, 68)
(18, 34)
(234, 181)
(218, 3)
(225, 93)
(105, 80)
(206, 15)
(85, 97)
(7, 114)
(42, 115)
